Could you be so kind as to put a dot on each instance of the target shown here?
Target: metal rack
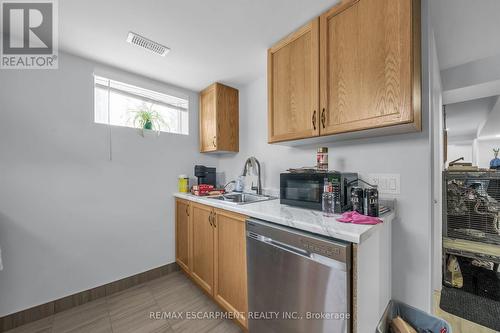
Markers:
(471, 206)
(471, 218)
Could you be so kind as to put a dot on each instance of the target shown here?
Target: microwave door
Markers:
(302, 192)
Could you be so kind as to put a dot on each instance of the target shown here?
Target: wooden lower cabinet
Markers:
(182, 230)
(216, 258)
(202, 236)
(230, 288)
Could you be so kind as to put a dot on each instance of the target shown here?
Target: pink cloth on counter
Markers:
(357, 218)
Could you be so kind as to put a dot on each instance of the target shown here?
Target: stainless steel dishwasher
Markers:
(297, 282)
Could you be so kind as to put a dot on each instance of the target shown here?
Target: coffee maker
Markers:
(205, 175)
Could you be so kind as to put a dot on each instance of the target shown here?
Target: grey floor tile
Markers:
(100, 325)
(226, 326)
(92, 314)
(130, 301)
(139, 321)
(133, 311)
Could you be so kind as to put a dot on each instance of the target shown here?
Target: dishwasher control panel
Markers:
(299, 240)
(326, 250)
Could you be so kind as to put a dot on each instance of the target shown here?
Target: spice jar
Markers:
(322, 158)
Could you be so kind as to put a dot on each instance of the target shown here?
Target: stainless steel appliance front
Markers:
(297, 282)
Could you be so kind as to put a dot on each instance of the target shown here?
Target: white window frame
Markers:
(148, 95)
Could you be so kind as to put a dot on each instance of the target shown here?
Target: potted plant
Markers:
(145, 118)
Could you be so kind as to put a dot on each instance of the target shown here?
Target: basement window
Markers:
(117, 103)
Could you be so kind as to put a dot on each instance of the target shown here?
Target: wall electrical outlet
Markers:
(387, 183)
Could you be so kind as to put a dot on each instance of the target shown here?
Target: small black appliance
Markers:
(305, 189)
(205, 175)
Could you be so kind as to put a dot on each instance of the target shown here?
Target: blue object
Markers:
(495, 163)
(418, 319)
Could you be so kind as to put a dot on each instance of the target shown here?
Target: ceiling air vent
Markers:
(147, 44)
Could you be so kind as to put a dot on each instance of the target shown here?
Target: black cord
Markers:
(361, 180)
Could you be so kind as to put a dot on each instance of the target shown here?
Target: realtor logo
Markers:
(29, 34)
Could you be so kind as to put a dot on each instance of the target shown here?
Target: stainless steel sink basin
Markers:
(241, 198)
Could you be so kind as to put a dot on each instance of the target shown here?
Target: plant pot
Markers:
(148, 125)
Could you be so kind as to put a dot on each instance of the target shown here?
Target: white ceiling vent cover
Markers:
(147, 44)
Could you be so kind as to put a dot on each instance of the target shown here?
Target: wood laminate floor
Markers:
(130, 311)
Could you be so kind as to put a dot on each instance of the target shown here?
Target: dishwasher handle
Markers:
(278, 244)
(298, 251)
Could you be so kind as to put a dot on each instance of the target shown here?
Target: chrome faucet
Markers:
(253, 163)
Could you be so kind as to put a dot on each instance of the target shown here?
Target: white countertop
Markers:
(299, 218)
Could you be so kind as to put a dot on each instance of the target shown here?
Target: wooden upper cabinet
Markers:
(293, 82)
(368, 73)
(367, 66)
(219, 119)
(202, 247)
(230, 288)
(182, 231)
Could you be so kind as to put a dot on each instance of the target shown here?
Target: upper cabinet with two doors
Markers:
(355, 68)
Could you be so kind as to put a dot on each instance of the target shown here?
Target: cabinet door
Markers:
(369, 65)
(230, 278)
(293, 83)
(227, 118)
(202, 266)
(208, 119)
(182, 231)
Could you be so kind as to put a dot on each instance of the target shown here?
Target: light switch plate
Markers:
(388, 183)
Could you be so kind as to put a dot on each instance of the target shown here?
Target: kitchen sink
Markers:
(241, 198)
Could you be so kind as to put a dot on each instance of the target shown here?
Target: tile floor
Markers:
(129, 311)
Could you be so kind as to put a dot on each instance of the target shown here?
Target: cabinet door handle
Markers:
(187, 210)
(213, 141)
(314, 119)
(210, 219)
(323, 117)
(213, 221)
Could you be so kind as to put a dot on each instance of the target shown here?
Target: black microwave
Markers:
(306, 189)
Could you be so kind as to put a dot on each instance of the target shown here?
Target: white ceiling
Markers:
(210, 40)
(464, 119)
(465, 30)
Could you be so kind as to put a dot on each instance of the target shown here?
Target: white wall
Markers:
(460, 150)
(407, 155)
(485, 151)
(437, 143)
(71, 219)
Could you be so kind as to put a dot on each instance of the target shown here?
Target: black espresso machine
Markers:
(305, 189)
(205, 175)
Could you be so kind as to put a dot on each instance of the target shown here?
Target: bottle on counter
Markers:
(357, 199)
(328, 200)
(371, 205)
(240, 184)
(322, 159)
(183, 183)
